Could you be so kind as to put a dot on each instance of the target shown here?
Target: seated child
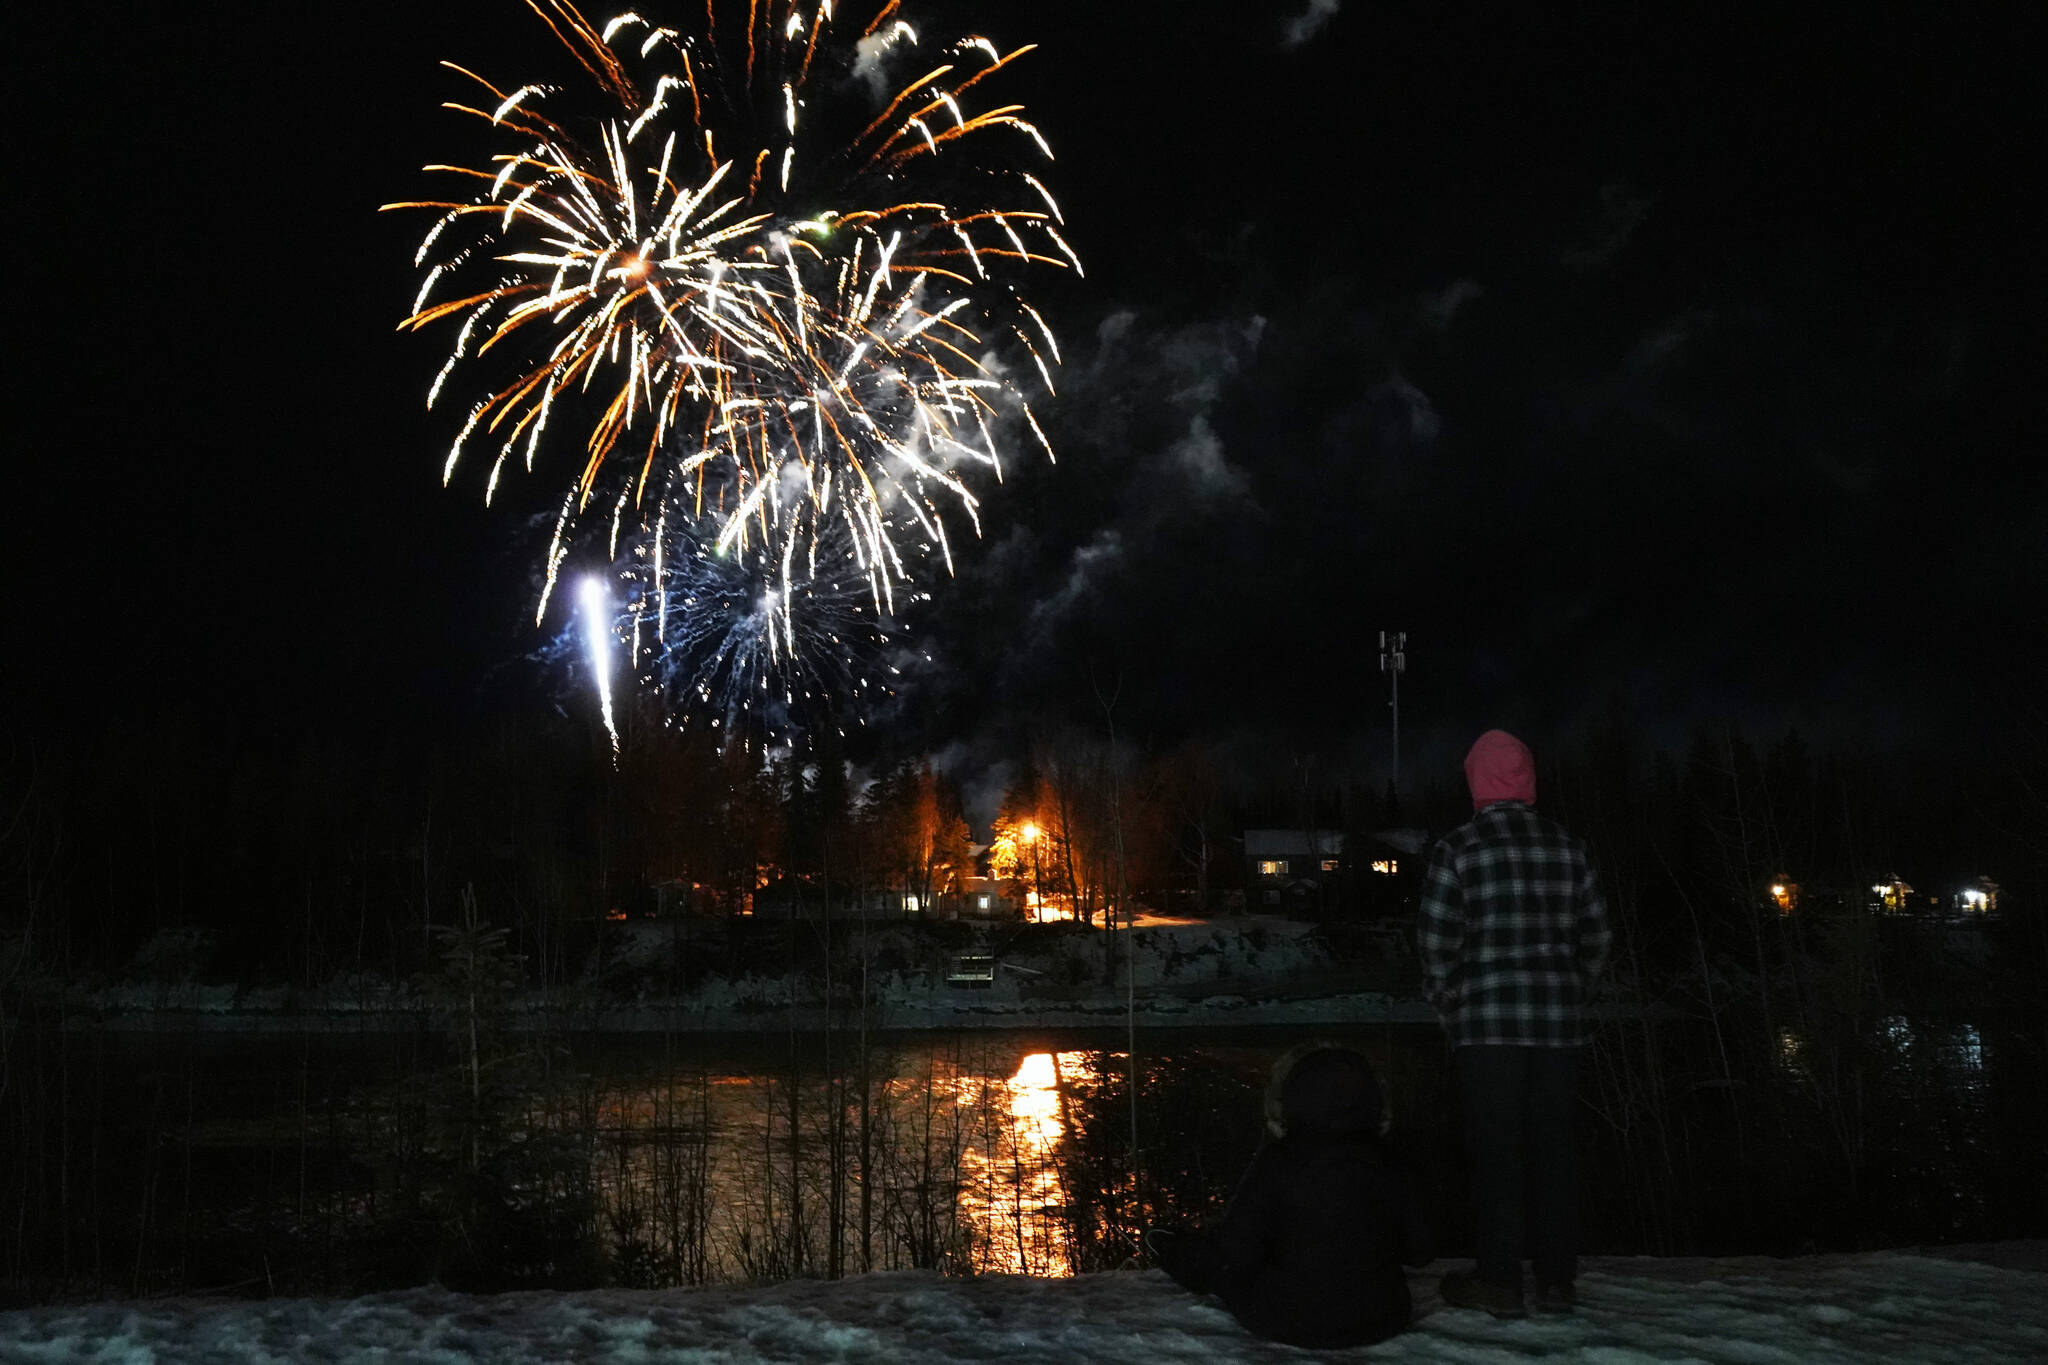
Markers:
(1310, 1249)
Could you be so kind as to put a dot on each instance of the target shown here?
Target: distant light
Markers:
(1030, 832)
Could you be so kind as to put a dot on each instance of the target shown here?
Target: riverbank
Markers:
(659, 977)
(683, 1017)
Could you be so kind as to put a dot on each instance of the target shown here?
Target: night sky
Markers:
(1675, 358)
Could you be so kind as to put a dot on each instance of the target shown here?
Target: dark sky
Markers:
(1673, 357)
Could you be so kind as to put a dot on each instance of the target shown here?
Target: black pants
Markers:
(1520, 1104)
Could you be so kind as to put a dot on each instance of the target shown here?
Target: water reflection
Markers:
(952, 1157)
(1017, 1200)
(1903, 1105)
(1904, 1055)
(651, 1162)
(1792, 1053)
(1968, 1048)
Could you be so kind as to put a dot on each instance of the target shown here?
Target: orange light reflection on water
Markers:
(987, 1145)
(1012, 1192)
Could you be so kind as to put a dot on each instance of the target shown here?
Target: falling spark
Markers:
(597, 634)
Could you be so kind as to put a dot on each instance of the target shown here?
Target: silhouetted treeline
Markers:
(1807, 1009)
(295, 862)
(300, 860)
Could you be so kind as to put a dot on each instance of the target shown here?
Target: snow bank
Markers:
(1174, 954)
(1237, 972)
(1933, 1308)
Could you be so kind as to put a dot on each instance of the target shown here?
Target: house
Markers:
(1978, 896)
(988, 898)
(1390, 864)
(1296, 871)
(1292, 870)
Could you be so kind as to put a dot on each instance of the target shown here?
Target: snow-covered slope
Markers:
(1982, 1305)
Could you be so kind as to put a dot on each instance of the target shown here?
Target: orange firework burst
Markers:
(777, 286)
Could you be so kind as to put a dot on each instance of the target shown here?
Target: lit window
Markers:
(1329, 864)
(981, 902)
(1273, 867)
(910, 904)
(1386, 867)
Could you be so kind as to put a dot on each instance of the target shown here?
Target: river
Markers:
(146, 1163)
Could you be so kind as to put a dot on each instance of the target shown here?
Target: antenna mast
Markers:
(1393, 663)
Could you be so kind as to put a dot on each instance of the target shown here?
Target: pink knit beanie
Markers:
(1500, 768)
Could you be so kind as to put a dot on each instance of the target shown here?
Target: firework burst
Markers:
(741, 651)
(772, 296)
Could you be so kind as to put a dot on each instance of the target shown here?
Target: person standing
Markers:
(1513, 935)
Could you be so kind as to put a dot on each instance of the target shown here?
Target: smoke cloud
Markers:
(1309, 23)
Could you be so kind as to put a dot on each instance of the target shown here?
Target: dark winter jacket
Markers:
(1310, 1250)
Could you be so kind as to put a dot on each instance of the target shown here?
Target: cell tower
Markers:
(1393, 663)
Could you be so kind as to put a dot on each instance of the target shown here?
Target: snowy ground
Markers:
(1956, 1305)
(1255, 970)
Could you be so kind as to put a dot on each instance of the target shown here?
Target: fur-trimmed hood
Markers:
(1324, 1088)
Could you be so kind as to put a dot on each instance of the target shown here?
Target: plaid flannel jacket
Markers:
(1514, 930)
